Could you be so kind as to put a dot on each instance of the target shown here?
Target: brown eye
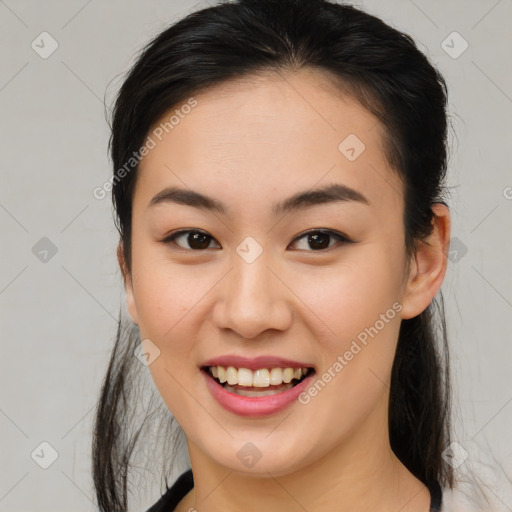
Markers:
(196, 240)
(320, 239)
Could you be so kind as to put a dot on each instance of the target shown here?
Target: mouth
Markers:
(257, 383)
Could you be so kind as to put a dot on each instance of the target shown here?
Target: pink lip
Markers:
(255, 363)
(255, 406)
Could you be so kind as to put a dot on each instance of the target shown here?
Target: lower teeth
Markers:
(259, 391)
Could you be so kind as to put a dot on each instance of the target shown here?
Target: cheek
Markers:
(166, 314)
(356, 328)
(167, 300)
(164, 293)
(351, 296)
(359, 313)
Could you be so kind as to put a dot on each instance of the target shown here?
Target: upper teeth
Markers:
(261, 378)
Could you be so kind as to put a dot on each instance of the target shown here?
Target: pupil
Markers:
(195, 239)
(314, 240)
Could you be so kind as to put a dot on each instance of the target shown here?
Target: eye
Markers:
(319, 239)
(197, 240)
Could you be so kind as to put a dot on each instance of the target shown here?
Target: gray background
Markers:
(58, 317)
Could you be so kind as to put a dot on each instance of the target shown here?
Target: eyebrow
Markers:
(305, 199)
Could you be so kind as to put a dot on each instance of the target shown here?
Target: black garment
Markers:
(169, 501)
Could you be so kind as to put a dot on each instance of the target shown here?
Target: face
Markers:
(321, 284)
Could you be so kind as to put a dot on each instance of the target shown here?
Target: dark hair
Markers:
(383, 69)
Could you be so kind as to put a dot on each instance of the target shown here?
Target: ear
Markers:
(428, 265)
(128, 286)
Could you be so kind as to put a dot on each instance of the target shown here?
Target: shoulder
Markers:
(174, 494)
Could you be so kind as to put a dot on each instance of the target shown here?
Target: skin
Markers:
(250, 143)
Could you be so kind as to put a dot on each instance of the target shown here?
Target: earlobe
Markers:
(128, 285)
(428, 265)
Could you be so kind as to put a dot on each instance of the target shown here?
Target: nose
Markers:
(253, 298)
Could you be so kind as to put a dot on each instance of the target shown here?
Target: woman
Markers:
(278, 182)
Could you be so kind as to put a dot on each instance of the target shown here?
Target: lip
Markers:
(255, 406)
(255, 363)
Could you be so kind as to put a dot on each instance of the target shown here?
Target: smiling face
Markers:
(248, 281)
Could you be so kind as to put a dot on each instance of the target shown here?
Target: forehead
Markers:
(266, 133)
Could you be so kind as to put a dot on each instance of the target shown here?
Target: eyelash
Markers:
(339, 236)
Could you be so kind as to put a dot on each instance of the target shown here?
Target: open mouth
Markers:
(257, 383)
